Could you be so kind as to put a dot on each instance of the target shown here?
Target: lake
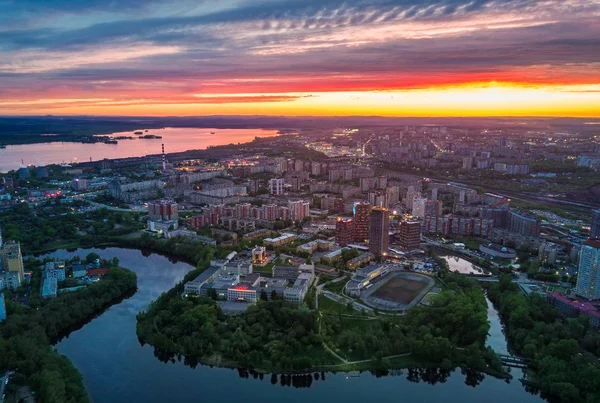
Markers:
(174, 139)
(116, 368)
(458, 263)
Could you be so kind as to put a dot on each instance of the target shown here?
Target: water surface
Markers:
(174, 139)
(116, 368)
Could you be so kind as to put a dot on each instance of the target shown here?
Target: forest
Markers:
(563, 351)
(27, 335)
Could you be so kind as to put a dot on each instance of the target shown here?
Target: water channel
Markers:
(116, 368)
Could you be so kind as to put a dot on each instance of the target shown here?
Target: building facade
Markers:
(410, 235)
(588, 277)
(379, 231)
(362, 220)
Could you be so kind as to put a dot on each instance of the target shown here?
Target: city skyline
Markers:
(294, 58)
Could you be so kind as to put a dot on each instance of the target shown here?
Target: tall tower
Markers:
(164, 160)
(362, 218)
(379, 232)
(588, 277)
(595, 228)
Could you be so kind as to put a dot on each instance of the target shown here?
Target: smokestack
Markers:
(163, 158)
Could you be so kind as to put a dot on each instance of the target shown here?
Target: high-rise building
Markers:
(379, 232)
(524, 224)
(393, 193)
(411, 194)
(344, 231)
(379, 198)
(11, 261)
(588, 277)
(410, 235)
(362, 220)
(299, 209)
(163, 210)
(595, 228)
(2, 308)
(425, 208)
(276, 186)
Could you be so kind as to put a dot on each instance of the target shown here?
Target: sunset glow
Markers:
(389, 58)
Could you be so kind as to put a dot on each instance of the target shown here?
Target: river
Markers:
(174, 139)
(116, 368)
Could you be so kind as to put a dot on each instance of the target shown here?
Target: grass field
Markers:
(336, 287)
(400, 289)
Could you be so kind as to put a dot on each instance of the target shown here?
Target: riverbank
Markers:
(562, 351)
(274, 336)
(28, 334)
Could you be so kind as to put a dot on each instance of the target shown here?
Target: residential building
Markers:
(299, 209)
(379, 231)
(2, 308)
(344, 231)
(595, 227)
(423, 207)
(362, 220)
(163, 216)
(588, 276)
(379, 198)
(410, 235)
(523, 223)
(11, 262)
(276, 186)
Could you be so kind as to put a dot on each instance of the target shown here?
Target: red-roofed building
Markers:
(574, 307)
(97, 272)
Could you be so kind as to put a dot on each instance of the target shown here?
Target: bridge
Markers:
(514, 361)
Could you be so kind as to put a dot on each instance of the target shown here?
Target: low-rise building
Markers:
(313, 246)
(291, 273)
(284, 239)
(297, 292)
(365, 276)
(195, 286)
(49, 287)
(573, 307)
(259, 255)
(358, 261)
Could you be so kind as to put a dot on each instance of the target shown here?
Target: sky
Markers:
(300, 57)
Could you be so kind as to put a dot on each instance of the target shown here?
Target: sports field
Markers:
(399, 289)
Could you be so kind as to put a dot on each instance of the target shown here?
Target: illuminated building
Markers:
(362, 218)
(595, 228)
(259, 255)
(242, 293)
(344, 231)
(379, 231)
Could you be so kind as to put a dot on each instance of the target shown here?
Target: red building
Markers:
(344, 231)
(163, 210)
(410, 235)
(362, 220)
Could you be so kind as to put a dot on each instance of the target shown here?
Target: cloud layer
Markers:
(102, 54)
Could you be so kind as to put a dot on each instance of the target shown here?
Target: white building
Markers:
(276, 186)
